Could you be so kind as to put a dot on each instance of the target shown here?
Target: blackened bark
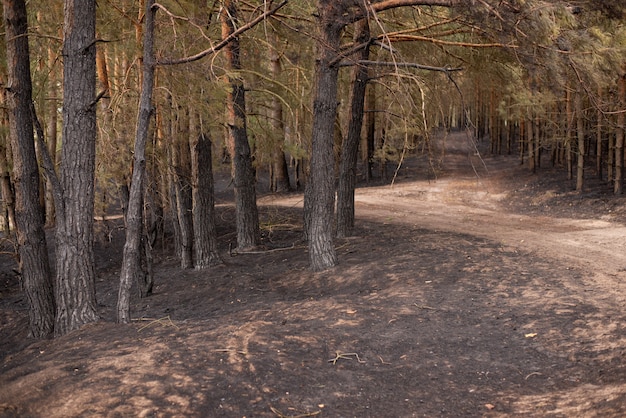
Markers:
(204, 231)
(244, 179)
(580, 135)
(182, 189)
(370, 132)
(620, 133)
(51, 135)
(280, 171)
(131, 264)
(350, 146)
(6, 189)
(31, 238)
(75, 286)
(319, 196)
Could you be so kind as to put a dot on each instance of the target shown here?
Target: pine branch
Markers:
(226, 40)
(410, 38)
(400, 64)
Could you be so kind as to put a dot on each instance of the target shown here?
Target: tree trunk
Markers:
(75, 286)
(350, 147)
(370, 129)
(245, 193)
(531, 143)
(610, 156)
(620, 132)
(280, 172)
(204, 231)
(131, 262)
(31, 238)
(183, 189)
(319, 196)
(580, 132)
(599, 136)
(6, 188)
(51, 134)
(568, 133)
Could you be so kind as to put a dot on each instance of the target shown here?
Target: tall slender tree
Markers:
(131, 264)
(350, 146)
(204, 229)
(243, 172)
(31, 238)
(75, 283)
(620, 131)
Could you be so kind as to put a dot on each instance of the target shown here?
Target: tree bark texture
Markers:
(568, 132)
(182, 188)
(7, 189)
(204, 230)
(350, 147)
(599, 120)
(620, 133)
(319, 196)
(75, 285)
(580, 134)
(51, 134)
(244, 181)
(280, 171)
(131, 261)
(370, 131)
(29, 217)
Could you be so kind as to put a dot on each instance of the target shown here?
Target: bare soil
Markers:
(481, 291)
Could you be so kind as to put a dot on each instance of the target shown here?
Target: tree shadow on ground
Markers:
(413, 322)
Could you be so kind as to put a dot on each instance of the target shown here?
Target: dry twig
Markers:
(346, 356)
(306, 414)
(165, 321)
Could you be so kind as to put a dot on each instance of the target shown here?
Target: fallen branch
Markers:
(165, 321)
(345, 356)
(306, 414)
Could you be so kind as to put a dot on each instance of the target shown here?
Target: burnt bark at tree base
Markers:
(350, 146)
(205, 232)
(248, 234)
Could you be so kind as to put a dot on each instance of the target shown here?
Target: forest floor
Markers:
(486, 291)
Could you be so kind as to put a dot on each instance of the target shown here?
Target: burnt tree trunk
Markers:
(370, 132)
(29, 217)
(6, 189)
(131, 262)
(204, 231)
(580, 135)
(620, 133)
(319, 196)
(181, 159)
(244, 180)
(350, 146)
(75, 285)
(51, 135)
(280, 171)
(599, 117)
